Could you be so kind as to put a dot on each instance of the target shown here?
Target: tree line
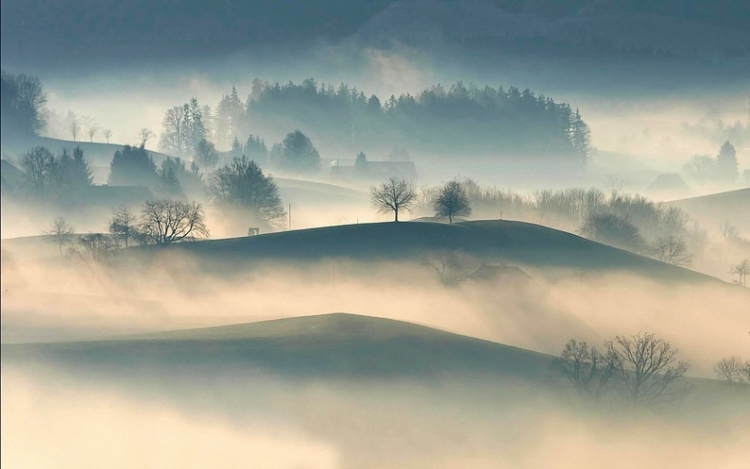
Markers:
(480, 121)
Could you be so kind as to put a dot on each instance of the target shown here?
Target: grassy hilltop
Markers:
(491, 241)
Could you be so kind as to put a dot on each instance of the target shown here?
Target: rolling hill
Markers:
(338, 344)
(492, 241)
(715, 209)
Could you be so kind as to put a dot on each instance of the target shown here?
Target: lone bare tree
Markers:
(164, 222)
(742, 270)
(207, 154)
(586, 369)
(392, 196)
(733, 370)
(74, 125)
(123, 224)
(91, 131)
(95, 248)
(107, 134)
(672, 250)
(647, 368)
(60, 232)
(145, 135)
(452, 201)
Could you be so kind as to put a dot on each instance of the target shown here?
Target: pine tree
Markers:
(726, 163)
(580, 137)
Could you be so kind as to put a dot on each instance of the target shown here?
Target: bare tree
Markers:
(453, 267)
(733, 370)
(672, 250)
(167, 221)
(393, 196)
(647, 368)
(96, 248)
(60, 232)
(123, 224)
(40, 169)
(74, 125)
(145, 135)
(586, 369)
(452, 201)
(742, 270)
(107, 134)
(91, 131)
(207, 154)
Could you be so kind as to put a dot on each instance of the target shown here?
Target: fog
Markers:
(598, 154)
(53, 300)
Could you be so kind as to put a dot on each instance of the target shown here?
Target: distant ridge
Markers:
(329, 344)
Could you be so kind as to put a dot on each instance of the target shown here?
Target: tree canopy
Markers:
(132, 166)
(242, 184)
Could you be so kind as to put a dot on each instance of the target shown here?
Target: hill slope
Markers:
(714, 209)
(492, 241)
(331, 344)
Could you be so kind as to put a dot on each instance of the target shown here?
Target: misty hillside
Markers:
(79, 30)
(495, 241)
(714, 209)
(332, 344)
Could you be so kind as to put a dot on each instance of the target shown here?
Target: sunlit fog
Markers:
(414, 234)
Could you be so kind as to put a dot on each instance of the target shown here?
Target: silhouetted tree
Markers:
(393, 196)
(74, 126)
(165, 222)
(169, 184)
(22, 105)
(701, 168)
(144, 135)
(95, 248)
(107, 134)
(132, 166)
(77, 172)
(726, 163)
(40, 169)
(297, 154)
(242, 184)
(183, 129)
(612, 229)
(206, 154)
(733, 370)
(123, 224)
(452, 201)
(586, 369)
(580, 137)
(672, 250)
(256, 149)
(742, 270)
(190, 179)
(60, 232)
(647, 369)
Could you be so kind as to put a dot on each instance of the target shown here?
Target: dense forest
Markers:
(457, 120)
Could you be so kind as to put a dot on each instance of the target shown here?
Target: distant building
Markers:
(670, 186)
(373, 170)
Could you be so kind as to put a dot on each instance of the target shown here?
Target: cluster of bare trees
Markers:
(733, 370)
(642, 369)
(160, 222)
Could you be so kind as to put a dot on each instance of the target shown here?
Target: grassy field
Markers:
(333, 344)
(492, 241)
